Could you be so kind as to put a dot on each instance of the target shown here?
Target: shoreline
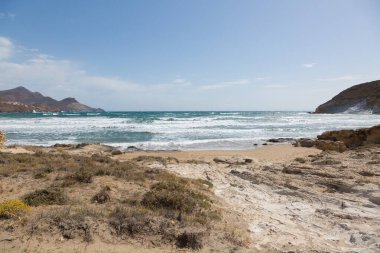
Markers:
(277, 152)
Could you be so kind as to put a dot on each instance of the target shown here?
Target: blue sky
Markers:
(190, 55)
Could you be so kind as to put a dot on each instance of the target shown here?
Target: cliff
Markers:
(361, 98)
(21, 99)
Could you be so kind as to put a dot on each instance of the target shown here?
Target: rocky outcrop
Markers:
(342, 140)
(361, 98)
(21, 99)
(354, 138)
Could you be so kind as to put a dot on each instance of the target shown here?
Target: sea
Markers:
(174, 130)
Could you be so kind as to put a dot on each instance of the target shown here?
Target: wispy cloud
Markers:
(7, 15)
(46, 73)
(309, 65)
(225, 84)
(179, 80)
(6, 48)
(275, 86)
(260, 78)
(340, 78)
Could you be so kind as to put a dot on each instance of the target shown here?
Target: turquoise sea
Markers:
(173, 130)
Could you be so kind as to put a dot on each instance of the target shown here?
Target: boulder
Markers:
(305, 142)
(116, 152)
(324, 145)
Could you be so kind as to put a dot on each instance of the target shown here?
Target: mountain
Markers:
(361, 98)
(21, 99)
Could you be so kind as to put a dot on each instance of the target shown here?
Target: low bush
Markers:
(49, 196)
(13, 208)
(103, 196)
(130, 222)
(190, 240)
(175, 195)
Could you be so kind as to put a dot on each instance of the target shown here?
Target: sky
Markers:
(190, 54)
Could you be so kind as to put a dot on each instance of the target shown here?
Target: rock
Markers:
(305, 142)
(375, 198)
(360, 98)
(133, 149)
(280, 140)
(300, 160)
(353, 138)
(116, 152)
(233, 161)
(326, 162)
(2, 138)
(324, 145)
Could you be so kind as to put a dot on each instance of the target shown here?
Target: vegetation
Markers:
(103, 196)
(13, 208)
(175, 195)
(145, 202)
(49, 196)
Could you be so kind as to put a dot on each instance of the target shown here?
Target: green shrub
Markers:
(49, 196)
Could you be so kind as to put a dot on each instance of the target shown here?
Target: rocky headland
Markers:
(21, 99)
(361, 98)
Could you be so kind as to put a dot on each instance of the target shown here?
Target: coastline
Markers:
(279, 152)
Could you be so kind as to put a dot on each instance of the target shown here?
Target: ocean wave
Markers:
(173, 130)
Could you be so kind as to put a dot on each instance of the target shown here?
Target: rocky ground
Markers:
(328, 202)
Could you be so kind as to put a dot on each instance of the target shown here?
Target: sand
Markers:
(271, 153)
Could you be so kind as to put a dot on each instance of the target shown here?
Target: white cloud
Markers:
(44, 73)
(260, 78)
(340, 78)
(275, 86)
(225, 84)
(6, 48)
(179, 80)
(309, 65)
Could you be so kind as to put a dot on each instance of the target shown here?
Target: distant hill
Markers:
(361, 98)
(21, 99)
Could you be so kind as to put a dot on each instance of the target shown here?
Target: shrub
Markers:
(13, 208)
(72, 222)
(175, 195)
(129, 222)
(103, 196)
(191, 240)
(49, 196)
(81, 176)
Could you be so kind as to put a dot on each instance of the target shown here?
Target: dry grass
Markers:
(145, 202)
